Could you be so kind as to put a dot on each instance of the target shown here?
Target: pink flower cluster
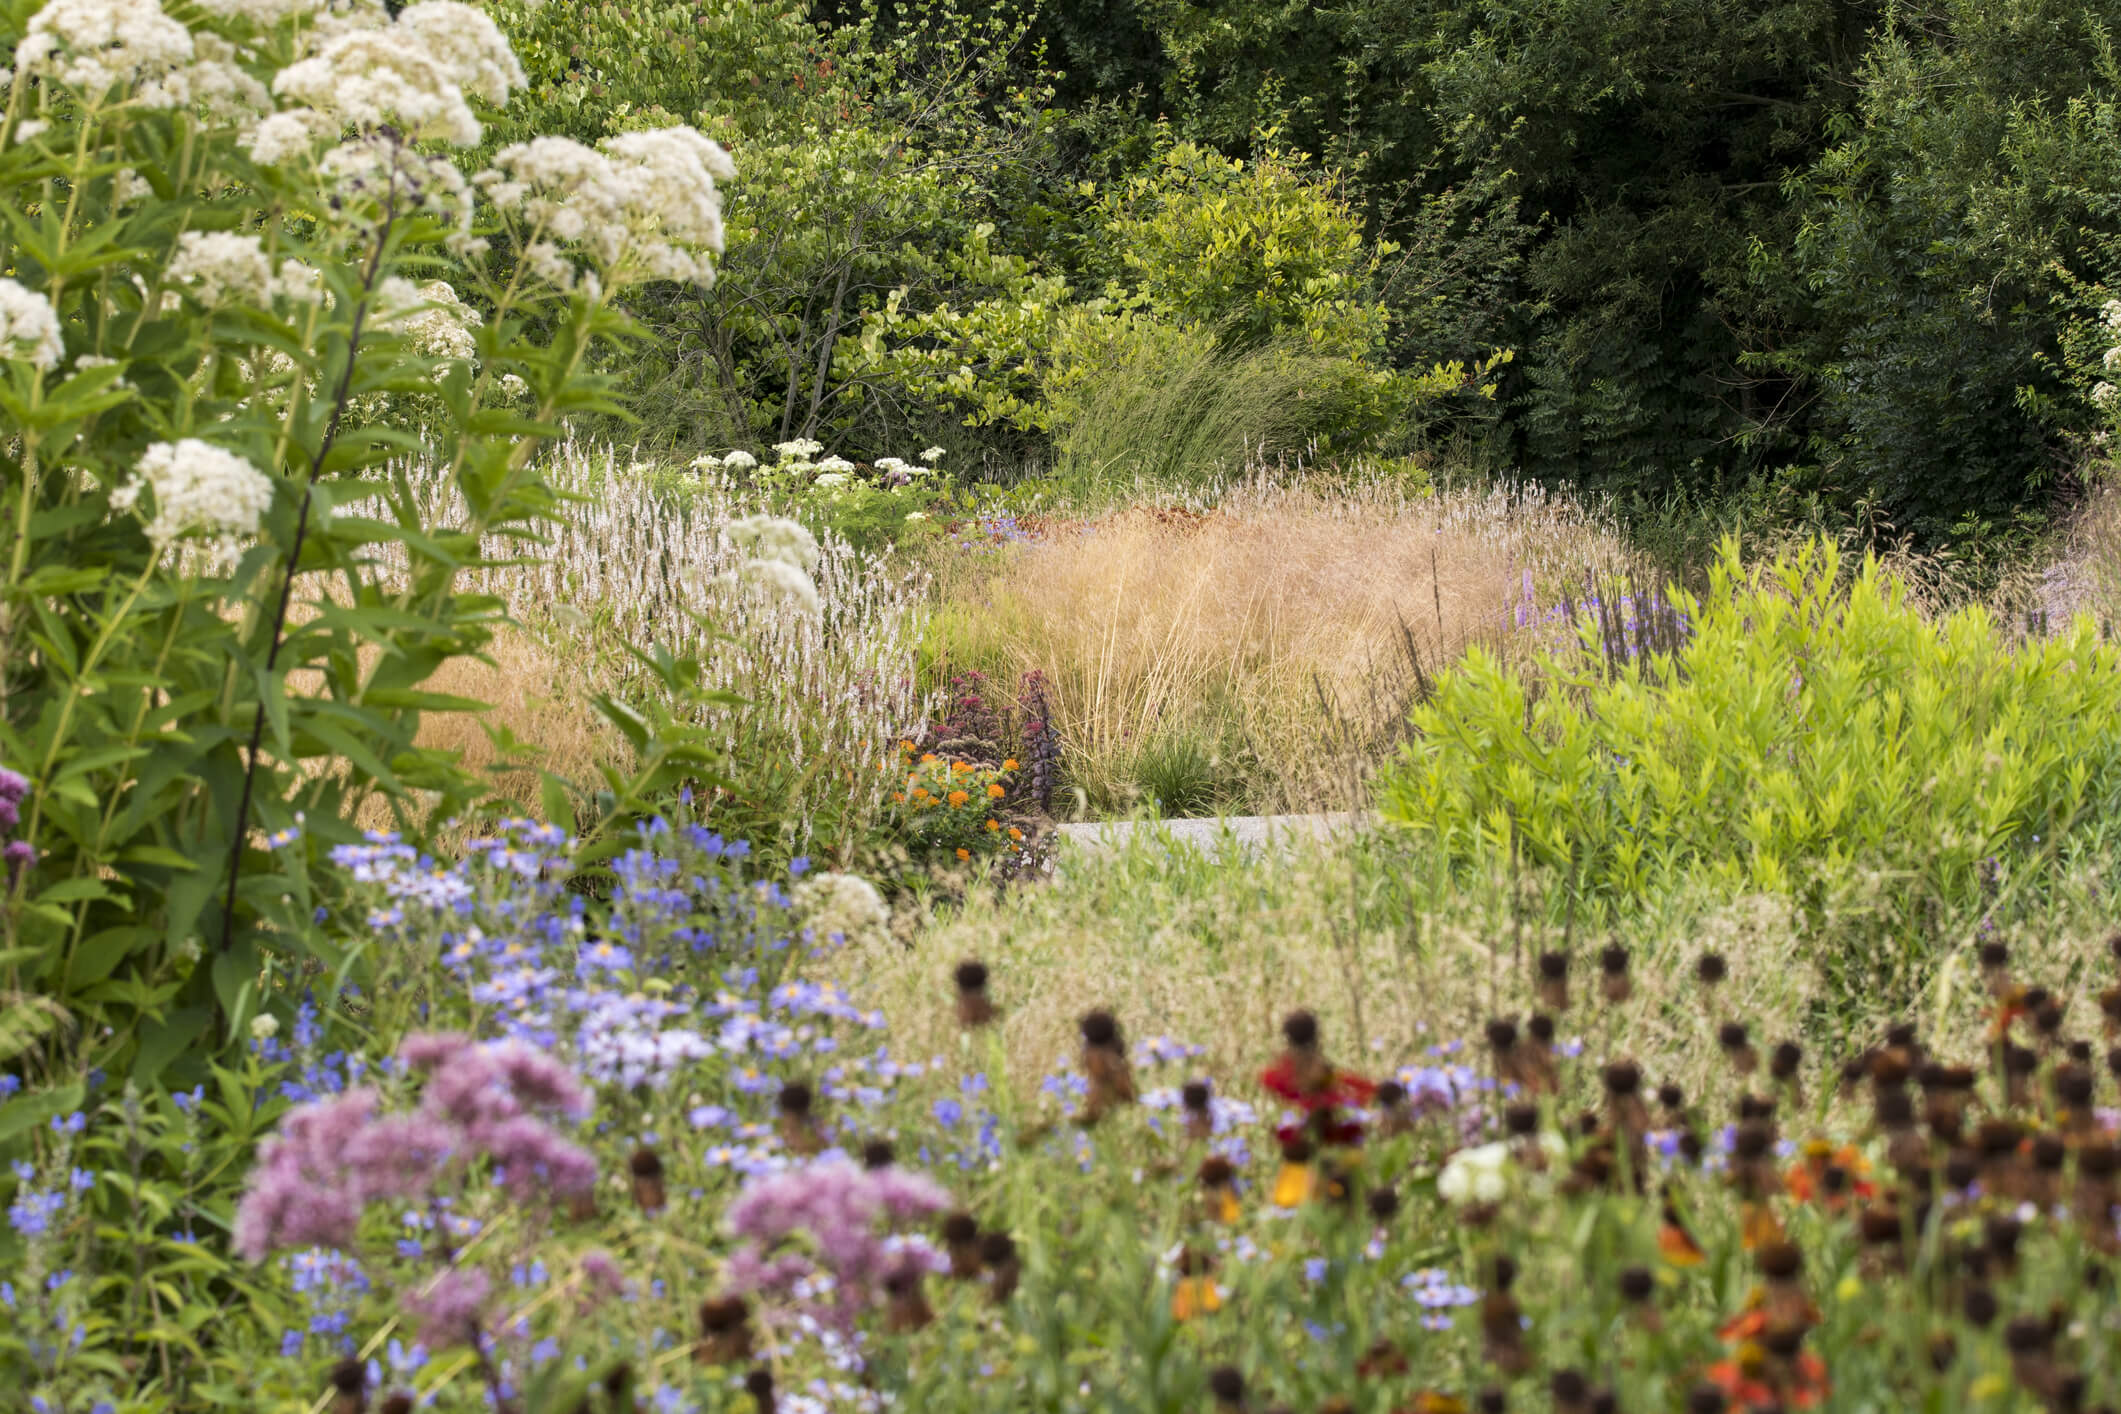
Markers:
(331, 1159)
(847, 1212)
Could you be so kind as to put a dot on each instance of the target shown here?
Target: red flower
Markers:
(1341, 1088)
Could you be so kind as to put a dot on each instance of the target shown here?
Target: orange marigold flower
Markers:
(898, 797)
(1015, 833)
(996, 792)
(928, 759)
(1678, 1247)
(958, 797)
(993, 826)
(963, 853)
(1010, 764)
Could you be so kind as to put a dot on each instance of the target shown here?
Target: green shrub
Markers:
(1810, 725)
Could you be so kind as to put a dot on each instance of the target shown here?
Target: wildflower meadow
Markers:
(606, 607)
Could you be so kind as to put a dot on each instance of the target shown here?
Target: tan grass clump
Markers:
(1284, 629)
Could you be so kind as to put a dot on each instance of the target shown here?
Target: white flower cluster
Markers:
(639, 205)
(96, 45)
(412, 73)
(230, 267)
(780, 556)
(29, 326)
(198, 488)
(430, 316)
(1481, 1174)
(2104, 394)
(843, 906)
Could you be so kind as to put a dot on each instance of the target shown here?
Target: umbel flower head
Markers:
(97, 45)
(200, 489)
(29, 327)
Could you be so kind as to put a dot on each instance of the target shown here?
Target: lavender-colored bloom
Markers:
(13, 785)
(449, 1308)
(844, 1210)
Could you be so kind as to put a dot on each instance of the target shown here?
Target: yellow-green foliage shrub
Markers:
(1809, 725)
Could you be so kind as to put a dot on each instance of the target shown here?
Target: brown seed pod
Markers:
(974, 1007)
(647, 1173)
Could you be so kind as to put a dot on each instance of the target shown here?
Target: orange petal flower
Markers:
(1193, 1296)
(1678, 1247)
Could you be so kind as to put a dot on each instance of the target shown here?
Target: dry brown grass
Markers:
(537, 691)
(1275, 635)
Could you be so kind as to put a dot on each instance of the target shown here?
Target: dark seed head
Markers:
(996, 1249)
(1896, 1109)
(2000, 1234)
(1553, 966)
(1671, 1096)
(1731, 1036)
(960, 1228)
(1216, 1171)
(1784, 1060)
(1100, 1029)
(1391, 1093)
(1780, 1260)
(1710, 969)
(1569, 1386)
(1492, 1401)
(2049, 1152)
(1520, 1120)
(350, 1376)
(645, 1164)
(1995, 956)
(721, 1314)
(795, 1099)
(2027, 1335)
(1226, 1384)
(1636, 1284)
(1613, 960)
(971, 976)
(1622, 1078)
(759, 1384)
(1960, 1170)
(1502, 1035)
(1300, 1029)
(1195, 1096)
(878, 1154)
(2073, 1086)
(1541, 1028)
(1706, 1398)
(1980, 1307)
(1384, 1203)
(1502, 1273)
(1752, 1139)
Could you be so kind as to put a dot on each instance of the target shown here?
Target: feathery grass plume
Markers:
(646, 1171)
(1105, 1065)
(961, 1243)
(725, 1331)
(974, 1008)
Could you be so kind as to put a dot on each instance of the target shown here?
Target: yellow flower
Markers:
(996, 792)
(1292, 1185)
(1194, 1295)
(958, 797)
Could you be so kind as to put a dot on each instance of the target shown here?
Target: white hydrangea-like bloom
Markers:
(198, 489)
(214, 83)
(281, 136)
(933, 454)
(801, 449)
(835, 464)
(223, 267)
(2111, 311)
(127, 186)
(413, 73)
(830, 481)
(430, 316)
(2112, 359)
(29, 327)
(369, 172)
(707, 462)
(845, 906)
(890, 464)
(740, 460)
(785, 581)
(640, 206)
(775, 538)
(96, 45)
(2104, 394)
